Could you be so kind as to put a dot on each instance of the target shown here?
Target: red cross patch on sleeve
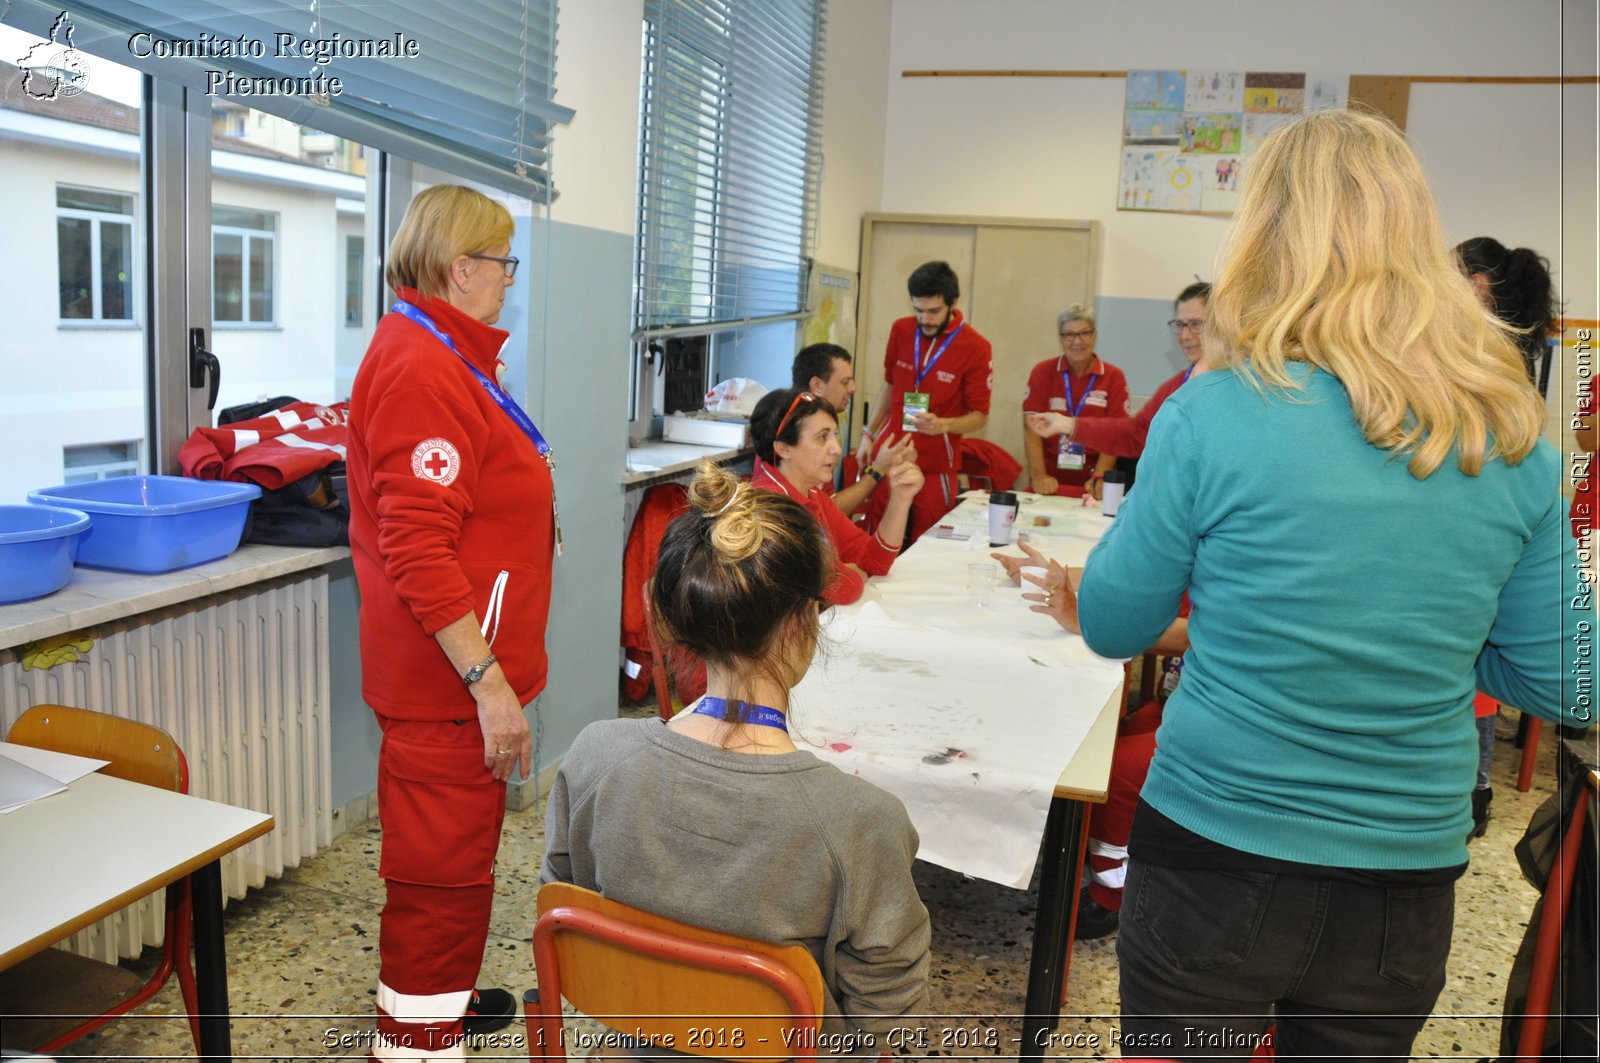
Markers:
(437, 460)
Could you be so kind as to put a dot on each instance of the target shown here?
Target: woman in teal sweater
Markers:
(1368, 527)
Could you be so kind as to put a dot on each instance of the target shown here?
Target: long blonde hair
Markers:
(1336, 258)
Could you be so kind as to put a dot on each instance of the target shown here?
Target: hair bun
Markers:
(718, 497)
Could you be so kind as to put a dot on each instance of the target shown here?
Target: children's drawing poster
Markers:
(1187, 135)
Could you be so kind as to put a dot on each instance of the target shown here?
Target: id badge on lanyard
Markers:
(1070, 456)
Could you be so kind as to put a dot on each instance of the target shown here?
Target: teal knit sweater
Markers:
(1343, 613)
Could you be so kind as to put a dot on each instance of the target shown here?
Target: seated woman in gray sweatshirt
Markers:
(716, 818)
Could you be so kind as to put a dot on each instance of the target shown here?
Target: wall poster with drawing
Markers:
(1187, 134)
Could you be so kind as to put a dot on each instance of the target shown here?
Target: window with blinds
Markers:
(730, 159)
(466, 88)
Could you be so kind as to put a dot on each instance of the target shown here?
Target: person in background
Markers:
(716, 819)
(1123, 437)
(1514, 286)
(1077, 385)
(796, 436)
(825, 370)
(452, 528)
(938, 374)
(1364, 515)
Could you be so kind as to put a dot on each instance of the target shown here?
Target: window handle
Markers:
(203, 366)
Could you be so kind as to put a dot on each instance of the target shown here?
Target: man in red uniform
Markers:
(1080, 384)
(938, 373)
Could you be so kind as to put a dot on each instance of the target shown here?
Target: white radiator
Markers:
(240, 679)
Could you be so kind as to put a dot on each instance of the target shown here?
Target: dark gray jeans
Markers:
(1210, 959)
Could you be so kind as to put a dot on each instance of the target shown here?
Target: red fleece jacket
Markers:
(450, 513)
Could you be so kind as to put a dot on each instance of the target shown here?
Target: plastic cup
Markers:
(981, 578)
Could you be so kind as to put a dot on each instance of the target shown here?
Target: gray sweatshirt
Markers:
(779, 847)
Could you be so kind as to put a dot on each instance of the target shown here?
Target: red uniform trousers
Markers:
(441, 812)
(1111, 823)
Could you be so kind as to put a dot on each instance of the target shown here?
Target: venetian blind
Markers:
(730, 159)
(472, 91)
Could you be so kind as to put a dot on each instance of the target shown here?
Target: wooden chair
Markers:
(651, 976)
(55, 988)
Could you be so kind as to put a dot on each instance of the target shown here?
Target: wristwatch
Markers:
(475, 673)
(875, 474)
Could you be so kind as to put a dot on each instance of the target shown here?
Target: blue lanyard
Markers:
(1187, 373)
(717, 708)
(496, 392)
(933, 357)
(1066, 385)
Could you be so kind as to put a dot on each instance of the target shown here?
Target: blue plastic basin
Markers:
(38, 545)
(155, 523)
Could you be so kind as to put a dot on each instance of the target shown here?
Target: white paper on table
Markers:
(62, 767)
(970, 733)
(21, 785)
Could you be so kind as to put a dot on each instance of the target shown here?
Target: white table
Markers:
(991, 724)
(74, 858)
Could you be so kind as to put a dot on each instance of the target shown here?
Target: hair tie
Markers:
(729, 502)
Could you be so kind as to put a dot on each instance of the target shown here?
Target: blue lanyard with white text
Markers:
(1066, 385)
(717, 708)
(933, 356)
(518, 415)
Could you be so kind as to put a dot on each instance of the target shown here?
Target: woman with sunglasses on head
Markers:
(797, 446)
(715, 818)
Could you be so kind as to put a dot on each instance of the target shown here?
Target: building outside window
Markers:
(100, 461)
(354, 249)
(242, 256)
(94, 254)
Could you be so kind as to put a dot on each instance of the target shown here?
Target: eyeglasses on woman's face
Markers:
(1077, 336)
(1180, 327)
(507, 264)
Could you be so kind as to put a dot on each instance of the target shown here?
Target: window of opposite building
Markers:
(243, 253)
(100, 461)
(95, 254)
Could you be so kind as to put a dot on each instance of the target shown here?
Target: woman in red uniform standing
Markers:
(452, 531)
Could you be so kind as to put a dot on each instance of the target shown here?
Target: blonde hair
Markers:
(443, 223)
(1336, 258)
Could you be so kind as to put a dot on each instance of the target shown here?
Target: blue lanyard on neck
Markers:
(933, 357)
(717, 708)
(1187, 373)
(1066, 385)
(496, 392)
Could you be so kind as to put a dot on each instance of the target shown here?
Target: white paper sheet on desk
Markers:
(970, 734)
(62, 767)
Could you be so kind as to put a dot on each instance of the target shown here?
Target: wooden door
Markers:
(1016, 276)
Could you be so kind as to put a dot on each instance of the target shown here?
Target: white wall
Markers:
(595, 160)
(1049, 147)
(854, 119)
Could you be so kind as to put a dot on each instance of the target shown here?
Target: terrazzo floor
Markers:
(303, 954)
